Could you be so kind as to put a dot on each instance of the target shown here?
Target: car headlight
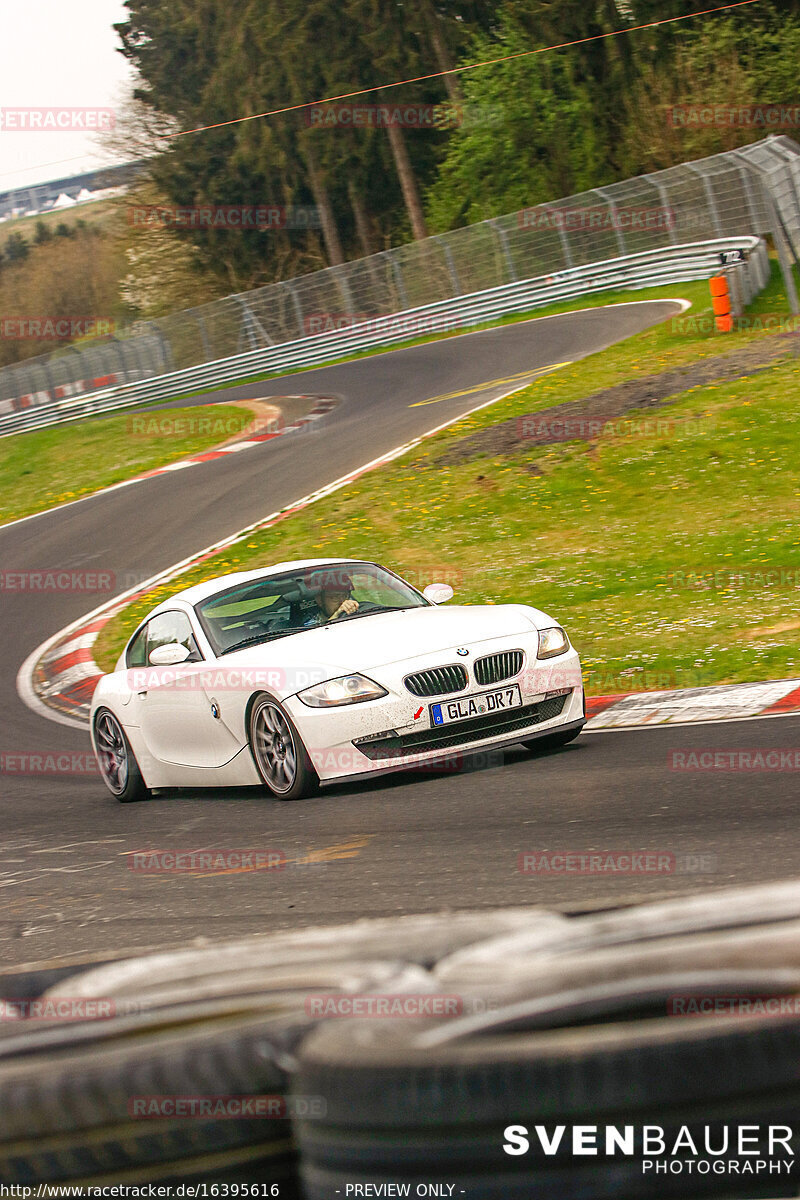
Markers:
(347, 689)
(552, 641)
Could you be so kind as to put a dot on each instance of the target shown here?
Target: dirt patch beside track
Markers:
(583, 420)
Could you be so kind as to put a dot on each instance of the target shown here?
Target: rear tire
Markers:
(281, 759)
(118, 766)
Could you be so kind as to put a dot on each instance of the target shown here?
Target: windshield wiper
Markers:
(270, 636)
(258, 638)
(379, 608)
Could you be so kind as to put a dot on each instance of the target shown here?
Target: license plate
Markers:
(500, 700)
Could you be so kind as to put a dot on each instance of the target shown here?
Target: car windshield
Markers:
(294, 601)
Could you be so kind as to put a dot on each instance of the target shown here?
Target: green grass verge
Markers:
(631, 544)
(52, 466)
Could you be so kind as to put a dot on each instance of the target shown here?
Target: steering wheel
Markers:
(254, 627)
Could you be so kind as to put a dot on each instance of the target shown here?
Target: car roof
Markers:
(202, 591)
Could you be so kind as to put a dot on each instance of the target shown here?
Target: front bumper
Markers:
(463, 734)
(452, 760)
(395, 732)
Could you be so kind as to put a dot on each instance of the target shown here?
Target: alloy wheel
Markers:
(274, 747)
(112, 753)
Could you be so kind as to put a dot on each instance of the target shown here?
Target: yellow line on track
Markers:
(490, 383)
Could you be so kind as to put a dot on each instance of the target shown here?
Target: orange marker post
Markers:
(721, 302)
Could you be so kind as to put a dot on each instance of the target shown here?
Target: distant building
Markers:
(42, 197)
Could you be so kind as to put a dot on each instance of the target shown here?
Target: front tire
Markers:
(118, 766)
(281, 758)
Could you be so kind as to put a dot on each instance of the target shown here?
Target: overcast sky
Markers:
(57, 53)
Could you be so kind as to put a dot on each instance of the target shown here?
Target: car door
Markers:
(172, 705)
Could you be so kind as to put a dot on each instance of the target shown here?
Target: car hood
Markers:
(386, 638)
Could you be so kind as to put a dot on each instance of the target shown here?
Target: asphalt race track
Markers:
(406, 843)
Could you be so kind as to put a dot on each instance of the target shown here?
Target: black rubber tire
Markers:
(396, 1108)
(67, 1087)
(306, 780)
(553, 741)
(135, 788)
(379, 1075)
(65, 1114)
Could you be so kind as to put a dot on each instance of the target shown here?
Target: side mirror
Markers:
(169, 655)
(438, 593)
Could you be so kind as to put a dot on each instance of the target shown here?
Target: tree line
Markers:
(489, 141)
(529, 129)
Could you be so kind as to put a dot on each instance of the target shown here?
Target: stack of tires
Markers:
(551, 1029)
(609, 1028)
(153, 1087)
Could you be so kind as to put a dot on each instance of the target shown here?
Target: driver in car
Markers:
(335, 599)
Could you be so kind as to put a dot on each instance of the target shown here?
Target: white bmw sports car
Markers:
(325, 670)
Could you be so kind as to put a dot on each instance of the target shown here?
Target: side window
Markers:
(172, 627)
(137, 651)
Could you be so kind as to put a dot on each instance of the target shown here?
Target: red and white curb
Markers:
(79, 388)
(722, 702)
(322, 407)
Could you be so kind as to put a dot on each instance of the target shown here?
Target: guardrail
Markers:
(650, 268)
